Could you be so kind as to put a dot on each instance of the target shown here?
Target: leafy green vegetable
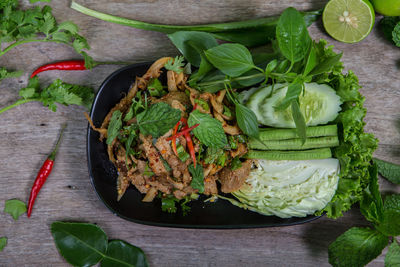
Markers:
(357, 247)
(121, 253)
(231, 59)
(158, 119)
(168, 204)
(392, 258)
(114, 126)
(371, 205)
(236, 164)
(176, 64)
(4, 74)
(389, 225)
(136, 107)
(3, 242)
(388, 170)
(396, 35)
(386, 25)
(292, 35)
(83, 244)
(246, 120)
(15, 208)
(156, 88)
(57, 92)
(197, 177)
(36, 25)
(209, 131)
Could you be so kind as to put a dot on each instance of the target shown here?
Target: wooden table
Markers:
(28, 133)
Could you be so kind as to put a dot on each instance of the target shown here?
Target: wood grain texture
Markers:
(28, 133)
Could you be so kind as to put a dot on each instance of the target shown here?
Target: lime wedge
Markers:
(348, 21)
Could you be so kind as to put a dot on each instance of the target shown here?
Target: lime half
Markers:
(348, 21)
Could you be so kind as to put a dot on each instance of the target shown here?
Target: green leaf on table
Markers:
(175, 64)
(292, 35)
(231, 59)
(388, 170)
(386, 25)
(80, 244)
(392, 258)
(246, 120)
(210, 131)
(15, 208)
(158, 119)
(371, 204)
(356, 247)
(197, 177)
(4, 74)
(3, 242)
(390, 222)
(299, 120)
(121, 253)
(114, 126)
(68, 26)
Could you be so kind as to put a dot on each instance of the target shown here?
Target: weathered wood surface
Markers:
(28, 132)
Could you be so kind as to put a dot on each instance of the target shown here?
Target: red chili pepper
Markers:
(44, 172)
(191, 148)
(174, 140)
(184, 131)
(62, 65)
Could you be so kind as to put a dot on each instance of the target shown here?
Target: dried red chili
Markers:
(43, 173)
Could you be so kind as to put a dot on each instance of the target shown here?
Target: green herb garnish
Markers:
(15, 208)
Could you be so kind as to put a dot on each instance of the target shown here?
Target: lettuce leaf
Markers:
(356, 146)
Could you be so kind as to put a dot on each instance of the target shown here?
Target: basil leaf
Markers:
(191, 44)
(114, 126)
(209, 131)
(312, 61)
(326, 65)
(292, 35)
(392, 258)
(197, 177)
(247, 120)
(158, 119)
(121, 253)
(299, 121)
(389, 224)
(205, 66)
(15, 208)
(80, 244)
(293, 92)
(231, 59)
(3, 242)
(388, 170)
(356, 247)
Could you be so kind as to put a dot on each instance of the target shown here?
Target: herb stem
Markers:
(11, 46)
(17, 103)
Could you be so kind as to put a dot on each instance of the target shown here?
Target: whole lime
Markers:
(387, 7)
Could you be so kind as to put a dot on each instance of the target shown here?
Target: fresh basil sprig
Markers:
(83, 244)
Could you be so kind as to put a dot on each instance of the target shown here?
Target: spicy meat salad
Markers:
(172, 140)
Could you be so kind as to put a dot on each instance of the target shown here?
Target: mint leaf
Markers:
(386, 25)
(197, 177)
(371, 204)
(114, 126)
(390, 223)
(15, 208)
(231, 59)
(388, 170)
(392, 258)
(158, 119)
(210, 131)
(176, 64)
(357, 247)
(3, 242)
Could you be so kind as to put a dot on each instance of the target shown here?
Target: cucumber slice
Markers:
(319, 105)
